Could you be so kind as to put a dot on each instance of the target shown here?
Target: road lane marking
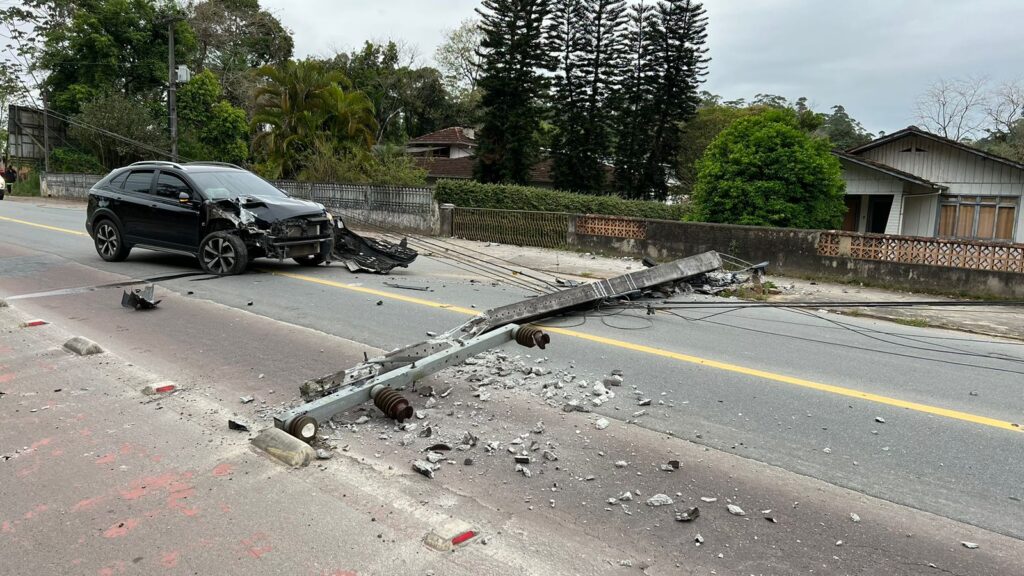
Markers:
(44, 226)
(724, 366)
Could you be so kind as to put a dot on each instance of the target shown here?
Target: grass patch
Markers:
(915, 322)
(27, 187)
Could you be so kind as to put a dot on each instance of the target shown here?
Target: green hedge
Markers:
(469, 194)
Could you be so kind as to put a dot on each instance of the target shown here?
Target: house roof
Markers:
(462, 168)
(448, 136)
(885, 168)
(915, 131)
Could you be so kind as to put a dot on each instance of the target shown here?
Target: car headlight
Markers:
(330, 217)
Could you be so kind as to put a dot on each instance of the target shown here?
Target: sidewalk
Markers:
(1001, 321)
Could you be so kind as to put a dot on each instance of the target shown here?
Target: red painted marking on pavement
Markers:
(28, 471)
(6, 527)
(121, 528)
(146, 485)
(117, 568)
(341, 573)
(176, 501)
(106, 459)
(85, 432)
(87, 503)
(222, 470)
(57, 452)
(253, 548)
(6, 377)
(170, 559)
(126, 449)
(39, 509)
(225, 508)
(43, 442)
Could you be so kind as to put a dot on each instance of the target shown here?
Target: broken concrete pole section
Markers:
(284, 447)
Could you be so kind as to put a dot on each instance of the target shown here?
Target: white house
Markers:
(915, 183)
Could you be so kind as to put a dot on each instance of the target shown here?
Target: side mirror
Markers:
(184, 198)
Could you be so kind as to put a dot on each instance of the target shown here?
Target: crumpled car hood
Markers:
(276, 209)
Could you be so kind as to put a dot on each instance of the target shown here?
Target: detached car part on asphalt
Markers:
(224, 216)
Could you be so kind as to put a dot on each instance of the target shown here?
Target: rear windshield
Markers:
(228, 185)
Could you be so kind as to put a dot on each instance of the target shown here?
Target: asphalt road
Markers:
(801, 392)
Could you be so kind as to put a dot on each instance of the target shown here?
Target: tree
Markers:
(301, 104)
(696, 134)
(233, 38)
(843, 131)
(765, 171)
(1005, 108)
(460, 58)
(211, 128)
(513, 88)
(667, 63)
(591, 52)
(954, 108)
(138, 125)
(109, 46)
(635, 114)
(567, 44)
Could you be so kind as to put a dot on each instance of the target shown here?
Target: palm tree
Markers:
(297, 104)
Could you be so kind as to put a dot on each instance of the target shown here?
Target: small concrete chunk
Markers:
(82, 346)
(688, 515)
(246, 399)
(969, 545)
(602, 423)
(284, 447)
(736, 510)
(659, 500)
(424, 468)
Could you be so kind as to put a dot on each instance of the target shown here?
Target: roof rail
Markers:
(212, 163)
(157, 162)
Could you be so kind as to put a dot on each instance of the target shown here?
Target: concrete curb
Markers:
(82, 346)
(284, 447)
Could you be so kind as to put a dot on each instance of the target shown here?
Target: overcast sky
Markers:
(872, 56)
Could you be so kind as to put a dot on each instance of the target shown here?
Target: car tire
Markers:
(223, 254)
(109, 241)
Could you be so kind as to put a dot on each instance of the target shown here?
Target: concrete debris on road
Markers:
(659, 500)
(688, 515)
(879, 419)
(82, 346)
(708, 499)
(698, 539)
(235, 425)
(424, 468)
(246, 399)
(601, 423)
(621, 464)
(523, 470)
(323, 454)
(736, 510)
(969, 545)
(854, 517)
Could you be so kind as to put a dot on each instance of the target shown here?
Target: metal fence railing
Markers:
(975, 255)
(376, 198)
(517, 227)
(68, 185)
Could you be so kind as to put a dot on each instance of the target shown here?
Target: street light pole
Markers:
(172, 81)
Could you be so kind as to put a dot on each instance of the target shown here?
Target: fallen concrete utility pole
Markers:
(376, 379)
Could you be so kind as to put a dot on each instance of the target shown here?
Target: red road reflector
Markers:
(159, 388)
(33, 323)
(452, 534)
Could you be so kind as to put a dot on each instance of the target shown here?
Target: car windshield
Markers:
(227, 185)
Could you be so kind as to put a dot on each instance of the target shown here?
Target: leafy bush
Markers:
(765, 171)
(27, 185)
(71, 160)
(469, 194)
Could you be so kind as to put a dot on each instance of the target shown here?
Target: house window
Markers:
(977, 217)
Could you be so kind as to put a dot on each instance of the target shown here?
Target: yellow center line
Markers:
(831, 389)
(44, 226)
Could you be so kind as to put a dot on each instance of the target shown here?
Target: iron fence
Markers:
(516, 227)
(375, 198)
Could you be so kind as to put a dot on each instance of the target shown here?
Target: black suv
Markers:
(221, 214)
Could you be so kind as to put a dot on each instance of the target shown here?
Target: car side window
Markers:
(117, 182)
(139, 182)
(170, 186)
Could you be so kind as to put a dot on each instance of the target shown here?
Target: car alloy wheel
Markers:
(107, 240)
(219, 256)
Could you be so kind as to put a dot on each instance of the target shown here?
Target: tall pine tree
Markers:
(668, 63)
(513, 58)
(586, 38)
(567, 45)
(635, 114)
(605, 34)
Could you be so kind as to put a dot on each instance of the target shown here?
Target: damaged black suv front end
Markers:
(275, 228)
